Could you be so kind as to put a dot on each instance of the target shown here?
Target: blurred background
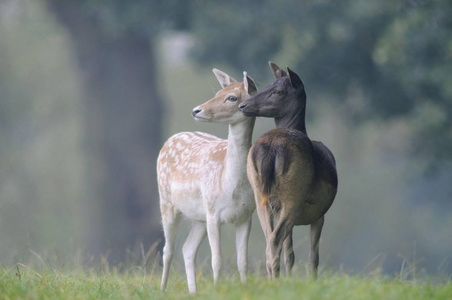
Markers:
(91, 89)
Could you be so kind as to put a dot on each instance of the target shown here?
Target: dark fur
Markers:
(265, 155)
(297, 174)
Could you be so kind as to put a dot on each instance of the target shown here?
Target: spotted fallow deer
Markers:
(293, 178)
(203, 178)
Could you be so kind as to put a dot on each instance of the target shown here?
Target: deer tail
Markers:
(270, 161)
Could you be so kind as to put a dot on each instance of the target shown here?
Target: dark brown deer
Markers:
(293, 178)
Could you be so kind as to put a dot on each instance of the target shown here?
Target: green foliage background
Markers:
(379, 95)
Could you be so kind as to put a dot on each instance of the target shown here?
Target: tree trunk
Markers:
(123, 110)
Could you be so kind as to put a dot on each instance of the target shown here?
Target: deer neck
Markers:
(293, 121)
(239, 143)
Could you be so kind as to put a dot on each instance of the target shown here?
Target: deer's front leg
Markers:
(190, 248)
(213, 232)
(241, 238)
(316, 231)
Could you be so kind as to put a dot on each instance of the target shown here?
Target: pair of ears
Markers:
(226, 80)
(250, 86)
(295, 80)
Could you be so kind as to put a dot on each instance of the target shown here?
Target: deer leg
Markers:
(213, 232)
(266, 220)
(170, 220)
(241, 238)
(282, 230)
(316, 231)
(189, 250)
(289, 256)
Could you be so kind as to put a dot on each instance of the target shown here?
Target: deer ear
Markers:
(250, 86)
(277, 71)
(295, 80)
(223, 78)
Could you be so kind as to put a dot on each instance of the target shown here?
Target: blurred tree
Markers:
(380, 59)
(41, 162)
(415, 52)
(115, 47)
(384, 59)
(377, 59)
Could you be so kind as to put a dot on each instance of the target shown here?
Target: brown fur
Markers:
(294, 179)
(270, 158)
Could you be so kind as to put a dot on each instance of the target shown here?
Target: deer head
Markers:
(223, 108)
(283, 97)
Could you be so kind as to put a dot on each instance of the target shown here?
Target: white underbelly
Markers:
(235, 211)
(187, 199)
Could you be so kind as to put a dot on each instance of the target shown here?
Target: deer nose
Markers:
(195, 111)
(242, 106)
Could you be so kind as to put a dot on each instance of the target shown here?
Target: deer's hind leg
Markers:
(170, 222)
(289, 256)
(316, 231)
(277, 238)
(264, 212)
(266, 220)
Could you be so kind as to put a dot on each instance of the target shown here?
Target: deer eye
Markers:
(232, 98)
(277, 92)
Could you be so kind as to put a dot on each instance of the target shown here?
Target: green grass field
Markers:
(22, 282)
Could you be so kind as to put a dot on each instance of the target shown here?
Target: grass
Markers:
(22, 282)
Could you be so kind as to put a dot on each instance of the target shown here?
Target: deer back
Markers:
(277, 157)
